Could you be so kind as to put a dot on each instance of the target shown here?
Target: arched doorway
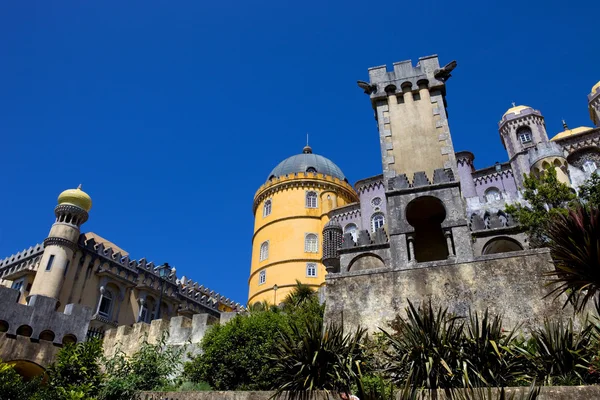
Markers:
(426, 215)
(501, 245)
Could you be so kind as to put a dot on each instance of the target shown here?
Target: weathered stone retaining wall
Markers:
(547, 393)
(511, 284)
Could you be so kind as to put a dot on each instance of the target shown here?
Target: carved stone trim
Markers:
(56, 241)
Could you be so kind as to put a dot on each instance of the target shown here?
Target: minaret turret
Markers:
(332, 242)
(521, 129)
(59, 247)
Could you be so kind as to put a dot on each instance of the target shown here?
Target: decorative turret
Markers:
(464, 161)
(332, 242)
(521, 128)
(594, 104)
(549, 155)
(71, 212)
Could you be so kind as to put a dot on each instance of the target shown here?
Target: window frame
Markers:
(587, 163)
(354, 233)
(262, 256)
(262, 277)
(311, 249)
(309, 196)
(495, 190)
(373, 217)
(50, 262)
(377, 200)
(525, 132)
(311, 266)
(267, 207)
(108, 294)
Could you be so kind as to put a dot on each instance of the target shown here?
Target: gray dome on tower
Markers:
(307, 162)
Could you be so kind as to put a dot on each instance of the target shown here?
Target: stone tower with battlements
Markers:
(426, 212)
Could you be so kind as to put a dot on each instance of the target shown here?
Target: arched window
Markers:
(267, 208)
(264, 251)
(352, 229)
(589, 167)
(262, 277)
(492, 194)
(311, 270)
(311, 244)
(311, 169)
(524, 134)
(106, 300)
(377, 221)
(311, 199)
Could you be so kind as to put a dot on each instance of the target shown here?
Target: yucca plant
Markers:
(300, 294)
(426, 347)
(491, 355)
(561, 355)
(574, 242)
(313, 357)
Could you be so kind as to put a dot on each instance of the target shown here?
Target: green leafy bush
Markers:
(12, 385)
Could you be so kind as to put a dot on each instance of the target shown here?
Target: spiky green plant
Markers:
(427, 347)
(560, 354)
(300, 294)
(491, 353)
(310, 357)
(574, 241)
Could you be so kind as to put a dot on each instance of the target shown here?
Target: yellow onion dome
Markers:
(516, 110)
(76, 197)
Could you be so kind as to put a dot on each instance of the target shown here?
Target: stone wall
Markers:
(546, 393)
(511, 284)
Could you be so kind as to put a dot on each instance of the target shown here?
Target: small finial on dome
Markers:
(513, 104)
(565, 126)
(79, 187)
(307, 149)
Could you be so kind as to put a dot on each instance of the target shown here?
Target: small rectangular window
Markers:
(525, 137)
(50, 261)
(262, 277)
(311, 270)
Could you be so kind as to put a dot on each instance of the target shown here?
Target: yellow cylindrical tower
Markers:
(71, 212)
(290, 211)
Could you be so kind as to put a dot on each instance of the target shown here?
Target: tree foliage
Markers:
(13, 387)
(546, 197)
(590, 190)
(235, 354)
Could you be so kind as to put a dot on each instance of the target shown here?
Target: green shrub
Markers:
(12, 385)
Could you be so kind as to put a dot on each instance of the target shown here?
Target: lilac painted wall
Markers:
(488, 178)
(369, 189)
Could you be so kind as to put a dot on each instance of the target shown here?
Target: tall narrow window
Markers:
(106, 299)
(352, 229)
(262, 277)
(311, 270)
(524, 134)
(311, 244)
(264, 251)
(50, 261)
(311, 199)
(66, 267)
(589, 166)
(377, 221)
(267, 208)
(19, 286)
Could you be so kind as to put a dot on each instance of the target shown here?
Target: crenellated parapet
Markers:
(491, 220)
(369, 184)
(493, 174)
(39, 319)
(313, 180)
(420, 179)
(545, 150)
(365, 238)
(24, 262)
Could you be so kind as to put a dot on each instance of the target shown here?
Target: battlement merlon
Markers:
(427, 71)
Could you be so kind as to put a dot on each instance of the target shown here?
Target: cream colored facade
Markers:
(283, 227)
(88, 270)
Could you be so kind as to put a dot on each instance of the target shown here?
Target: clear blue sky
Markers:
(173, 113)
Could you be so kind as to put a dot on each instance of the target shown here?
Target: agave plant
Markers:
(574, 242)
(426, 347)
(299, 295)
(560, 354)
(310, 358)
(491, 353)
